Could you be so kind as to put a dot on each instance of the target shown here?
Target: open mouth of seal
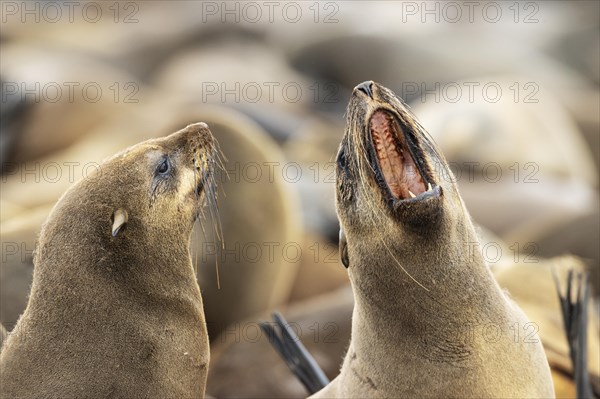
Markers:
(397, 162)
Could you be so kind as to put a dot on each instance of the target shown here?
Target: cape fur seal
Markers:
(429, 319)
(115, 309)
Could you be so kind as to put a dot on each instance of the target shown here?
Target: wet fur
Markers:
(422, 300)
(117, 316)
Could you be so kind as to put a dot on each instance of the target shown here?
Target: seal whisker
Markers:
(195, 263)
(217, 163)
(197, 179)
(211, 200)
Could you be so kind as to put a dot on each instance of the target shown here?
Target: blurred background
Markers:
(509, 91)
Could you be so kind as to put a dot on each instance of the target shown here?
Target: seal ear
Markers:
(119, 218)
(344, 249)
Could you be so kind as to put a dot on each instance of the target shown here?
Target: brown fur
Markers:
(118, 316)
(422, 299)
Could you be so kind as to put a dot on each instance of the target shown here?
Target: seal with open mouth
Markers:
(115, 309)
(429, 319)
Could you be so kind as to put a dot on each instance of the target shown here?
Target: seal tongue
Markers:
(396, 163)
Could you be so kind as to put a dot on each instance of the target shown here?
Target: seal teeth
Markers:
(428, 186)
(411, 194)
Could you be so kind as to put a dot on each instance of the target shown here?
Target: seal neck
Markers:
(98, 270)
(423, 294)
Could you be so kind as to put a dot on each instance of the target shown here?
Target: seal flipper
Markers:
(575, 318)
(295, 355)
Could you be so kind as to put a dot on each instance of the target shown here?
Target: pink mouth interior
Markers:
(396, 163)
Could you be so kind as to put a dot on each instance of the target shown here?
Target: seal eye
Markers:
(164, 167)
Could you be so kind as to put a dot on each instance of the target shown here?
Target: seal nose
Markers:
(366, 87)
(196, 135)
(196, 132)
(195, 129)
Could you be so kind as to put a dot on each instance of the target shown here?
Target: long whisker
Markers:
(196, 229)
(208, 174)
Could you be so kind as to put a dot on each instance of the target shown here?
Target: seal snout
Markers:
(366, 88)
(196, 150)
(199, 132)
